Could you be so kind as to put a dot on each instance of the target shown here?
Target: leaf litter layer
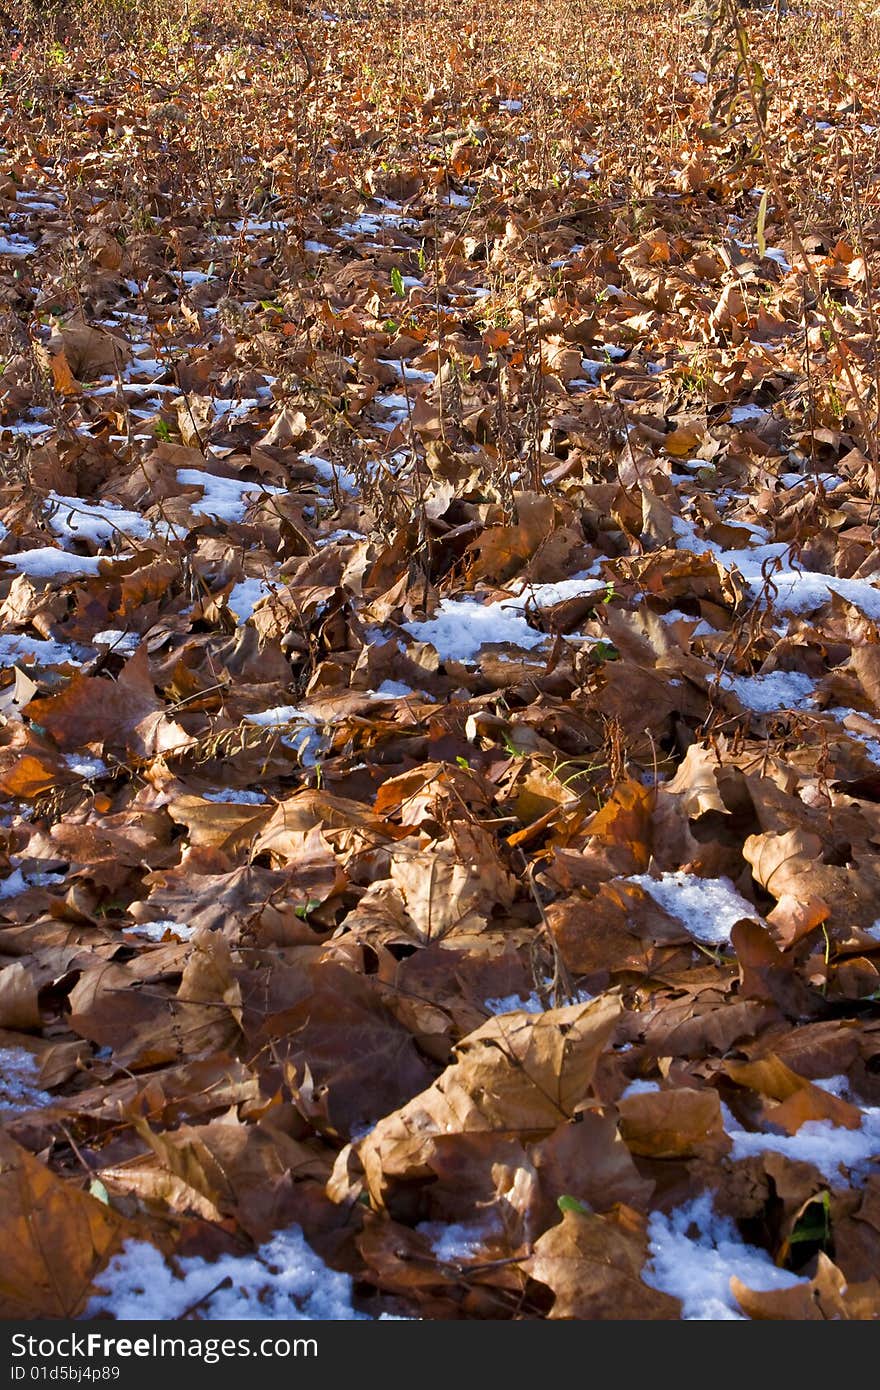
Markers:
(440, 752)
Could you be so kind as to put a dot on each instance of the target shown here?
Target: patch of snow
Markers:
(528, 1004)
(829, 1147)
(96, 522)
(27, 429)
(741, 413)
(19, 1073)
(775, 690)
(692, 1254)
(236, 410)
(773, 253)
(18, 882)
(548, 595)
(121, 643)
(224, 498)
(640, 1087)
(16, 245)
(236, 798)
(461, 628)
(405, 371)
(332, 473)
(283, 1280)
(155, 931)
(245, 595)
(676, 615)
(870, 745)
(393, 690)
(453, 1244)
(85, 766)
(797, 591)
(45, 562)
(278, 716)
(707, 907)
(16, 647)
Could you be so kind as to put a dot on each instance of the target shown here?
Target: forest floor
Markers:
(440, 747)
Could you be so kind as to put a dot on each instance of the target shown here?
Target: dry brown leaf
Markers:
(55, 1238)
(519, 1074)
(678, 1123)
(594, 1266)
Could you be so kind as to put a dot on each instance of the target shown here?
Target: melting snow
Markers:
(236, 798)
(46, 562)
(776, 690)
(97, 522)
(16, 246)
(155, 931)
(245, 596)
(707, 907)
(84, 766)
(284, 1279)
(224, 498)
(16, 647)
(791, 590)
(19, 1073)
(453, 1244)
(278, 716)
(461, 628)
(693, 1253)
(830, 1147)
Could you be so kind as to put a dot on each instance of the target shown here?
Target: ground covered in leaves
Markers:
(440, 748)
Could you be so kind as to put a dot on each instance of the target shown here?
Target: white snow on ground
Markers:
(392, 690)
(845, 718)
(278, 715)
(16, 246)
(707, 907)
(18, 882)
(693, 1253)
(45, 562)
(97, 522)
(85, 766)
(27, 428)
(224, 498)
(455, 1244)
(792, 590)
(531, 1004)
(639, 1087)
(16, 647)
(462, 627)
(332, 473)
(245, 595)
(676, 615)
(121, 643)
(234, 409)
(236, 798)
(19, 1072)
(828, 1146)
(547, 595)
(283, 1280)
(741, 413)
(776, 690)
(405, 371)
(155, 931)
